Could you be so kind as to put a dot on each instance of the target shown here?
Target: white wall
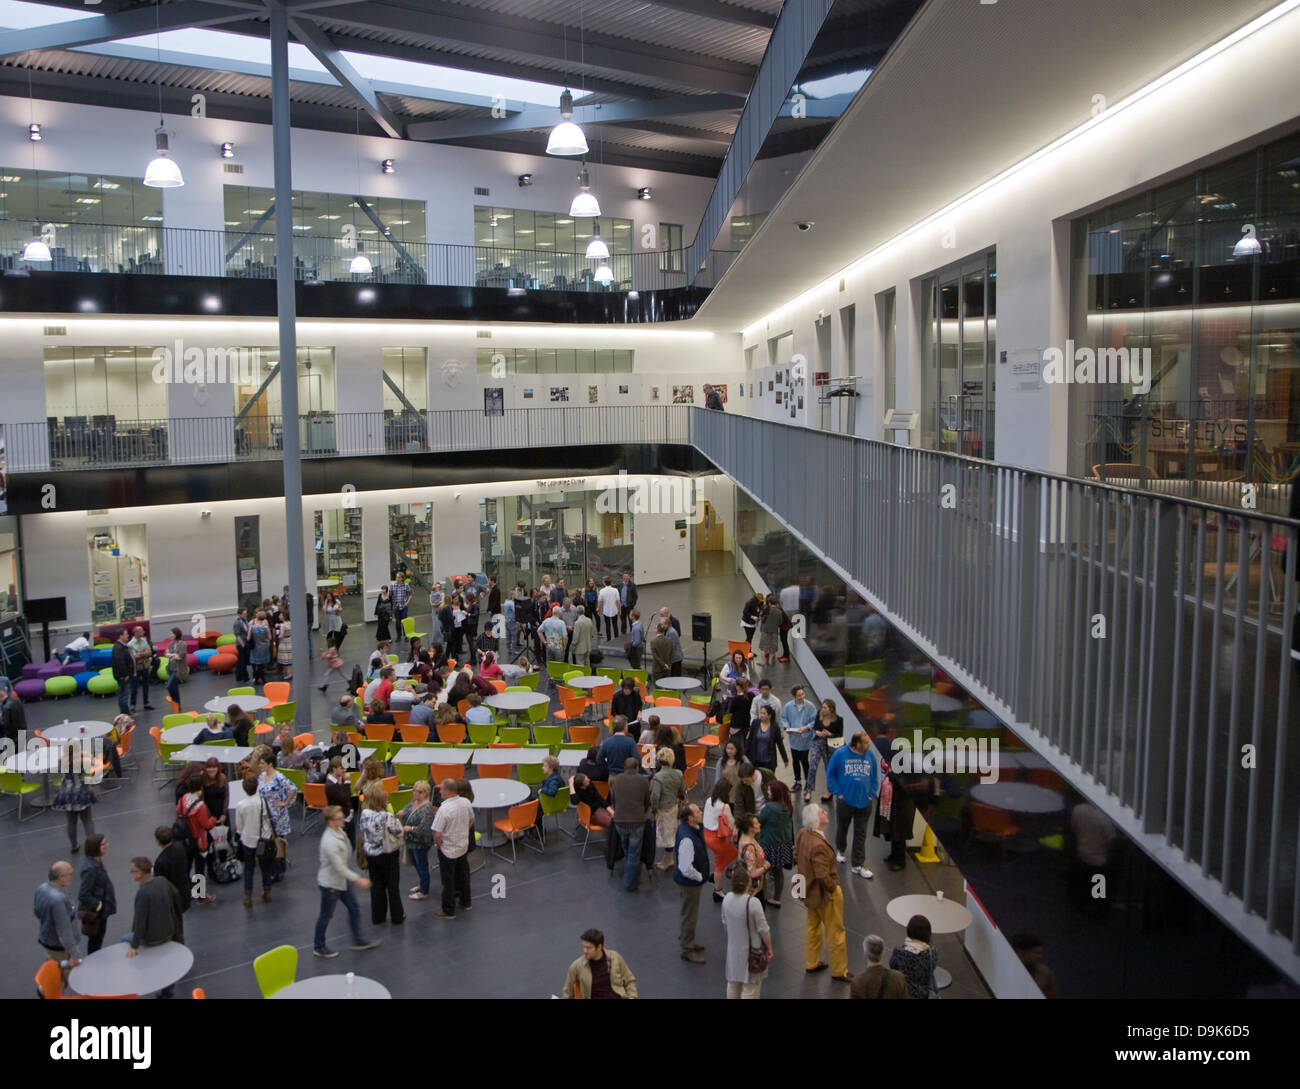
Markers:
(1233, 100)
(660, 551)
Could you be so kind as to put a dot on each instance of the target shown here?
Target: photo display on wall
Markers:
(722, 391)
(559, 394)
(683, 395)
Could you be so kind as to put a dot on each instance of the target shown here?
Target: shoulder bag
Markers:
(271, 848)
(757, 957)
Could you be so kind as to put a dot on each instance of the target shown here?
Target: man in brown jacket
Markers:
(877, 981)
(823, 897)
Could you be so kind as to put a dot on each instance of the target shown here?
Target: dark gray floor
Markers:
(524, 930)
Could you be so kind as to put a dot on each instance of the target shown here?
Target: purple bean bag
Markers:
(30, 690)
(52, 668)
(31, 669)
(72, 667)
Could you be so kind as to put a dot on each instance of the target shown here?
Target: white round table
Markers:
(221, 704)
(515, 703)
(677, 684)
(946, 916)
(681, 717)
(400, 670)
(1018, 797)
(111, 971)
(589, 683)
(334, 987)
(74, 731)
(402, 700)
(944, 705)
(494, 794)
(182, 735)
(498, 757)
(858, 684)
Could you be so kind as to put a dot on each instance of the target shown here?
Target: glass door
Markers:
(961, 338)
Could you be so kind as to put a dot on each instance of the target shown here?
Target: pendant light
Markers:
(566, 138)
(596, 248)
(604, 275)
(162, 171)
(360, 263)
(585, 205)
(36, 251)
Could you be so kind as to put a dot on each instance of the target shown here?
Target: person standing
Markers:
(749, 614)
(156, 919)
(259, 647)
(599, 972)
(634, 648)
(279, 794)
(178, 668)
(764, 699)
(96, 897)
(747, 930)
(252, 831)
(74, 796)
(284, 645)
(853, 776)
(123, 670)
(823, 896)
(142, 661)
(798, 718)
(401, 592)
(627, 601)
(770, 626)
(674, 634)
(335, 878)
(877, 981)
(661, 652)
(241, 646)
(690, 864)
(713, 402)
(776, 835)
(554, 633)
(667, 790)
(583, 633)
(828, 727)
(417, 827)
(765, 742)
(173, 865)
(610, 607)
(382, 842)
(630, 793)
(58, 936)
(453, 827)
(916, 959)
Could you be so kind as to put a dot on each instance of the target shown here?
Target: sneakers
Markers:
(325, 953)
(443, 915)
(694, 957)
(417, 895)
(839, 857)
(363, 946)
(862, 871)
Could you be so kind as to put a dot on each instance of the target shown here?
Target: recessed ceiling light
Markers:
(152, 219)
(256, 211)
(328, 217)
(562, 222)
(102, 184)
(87, 200)
(302, 227)
(10, 178)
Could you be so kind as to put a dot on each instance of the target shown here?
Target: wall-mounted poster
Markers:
(559, 393)
(593, 395)
(801, 402)
(528, 394)
(654, 393)
(770, 387)
(622, 390)
(683, 395)
(722, 392)
(778, 397)
(494, 401)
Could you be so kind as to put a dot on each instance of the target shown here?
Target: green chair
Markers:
(394, 747)
(244, 690)
(380, 747)
(276, 969)
(553, 807)
(513, 735)
(666, 693)
(517, 688)
(531, 775)
(913, 682)
(528, 681)
(641, 675)
(611, 672)
(410, 774)
(408, 630)
(399, 799)
(182, 719)
(229, 741)
(538, 713)
(556, 669)
(12, 784)
(550, 736)
(394, 658)
(284, 712)
(481, 733)
(573, 673)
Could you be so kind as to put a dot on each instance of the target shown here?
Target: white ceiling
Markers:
(967, 91)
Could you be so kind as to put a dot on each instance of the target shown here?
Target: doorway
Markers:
(961, 347)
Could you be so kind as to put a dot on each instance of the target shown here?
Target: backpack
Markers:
(181, 831)
(357, 680)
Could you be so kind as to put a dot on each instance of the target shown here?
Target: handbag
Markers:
(757, 957)
(90, 922)
(271, 848)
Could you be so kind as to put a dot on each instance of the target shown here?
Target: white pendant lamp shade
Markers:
(360, 265)
(585, 205)
(162, 172)
(1248, 247)
(596, 248)
(566, 138)
(604, 275)
(36, 250)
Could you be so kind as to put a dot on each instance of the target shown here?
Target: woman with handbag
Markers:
(720, 832)
(279, 794)
(74, 796)
(381, 836)
(750, 853)
(828, 733)
(776, 835)
(749, 939)
(177, 668)
(417, 828)
(256, 840)
(96, 899)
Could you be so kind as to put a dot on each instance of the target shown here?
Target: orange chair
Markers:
(584, 819)
(499, 685)
(416, 735)
(124, 744)
(313, 796)
(668, 701)
(401, 718)
(49, 980)
(734, 645)
(379, 731)
(276, 692)
(263, 728)
(991, 824)
(355, 738)
(584, 735)
(176, 707)
(452, 733)
(695, 753)
(691, 775)
(462, 708)
(602, 788)
(573, 711)
(494, 771)
(198, 992)
(390, 784)
(439, 772)
(519, 819)
(301, 741)
(602, 695)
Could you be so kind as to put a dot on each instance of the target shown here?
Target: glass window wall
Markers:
(119, 573)
(555, 360)
(517, 247)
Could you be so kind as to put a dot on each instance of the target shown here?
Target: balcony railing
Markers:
(183, 251)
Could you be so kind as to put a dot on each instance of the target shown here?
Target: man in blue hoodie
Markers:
(853, 776)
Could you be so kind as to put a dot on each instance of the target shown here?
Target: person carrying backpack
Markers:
(191, 827)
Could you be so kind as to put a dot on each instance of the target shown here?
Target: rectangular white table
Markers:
(198, 754)
(402, 669)
(571, 758)
(507, 756)
(423, 754)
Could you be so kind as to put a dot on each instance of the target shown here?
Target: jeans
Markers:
(86, 821)
(630, 836)
(95, 942)
(690, 916)
(174, 687)
(611, 627)
(454, 874)
(251, 857)
(624, 620)
(140, 679)
(819, 754)
(398, 616)
(329, 899)
(124, 697)
(799, 757)
(844, 813)
(420, 860)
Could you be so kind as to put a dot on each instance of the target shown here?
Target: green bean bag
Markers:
(60, 686)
